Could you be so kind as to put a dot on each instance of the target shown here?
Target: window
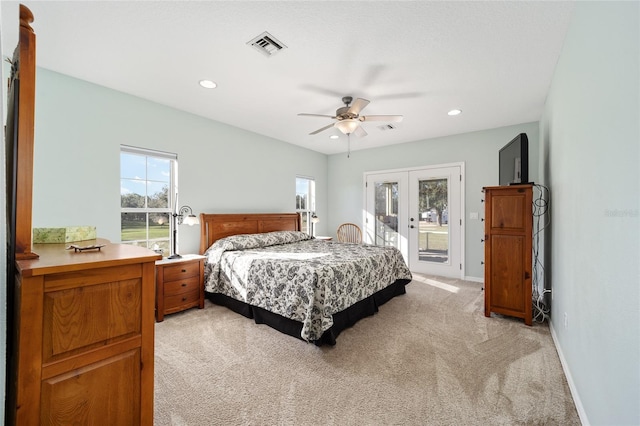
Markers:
(147, 185)
(305, 201)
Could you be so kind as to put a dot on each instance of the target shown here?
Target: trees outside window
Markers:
(433, 198)
(147, 185)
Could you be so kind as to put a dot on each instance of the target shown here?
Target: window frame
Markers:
(172, 195)
(306, 213)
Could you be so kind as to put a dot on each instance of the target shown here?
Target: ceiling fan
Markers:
(348, 117)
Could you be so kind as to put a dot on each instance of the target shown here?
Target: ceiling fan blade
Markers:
(406, 95)
(303, 114)
(322, 129)
(322, 90)
(360, 132)
(357, 106)
(388, 118)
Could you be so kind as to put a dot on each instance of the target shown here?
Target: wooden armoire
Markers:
(507, 251)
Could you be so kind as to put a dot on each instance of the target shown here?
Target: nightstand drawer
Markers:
(178, 300)
(180, 271)
(182, 286)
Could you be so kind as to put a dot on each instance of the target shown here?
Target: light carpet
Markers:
(429, 357)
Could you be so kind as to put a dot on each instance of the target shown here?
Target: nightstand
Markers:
(179, 284)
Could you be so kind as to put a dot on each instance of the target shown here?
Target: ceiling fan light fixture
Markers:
(348, 125)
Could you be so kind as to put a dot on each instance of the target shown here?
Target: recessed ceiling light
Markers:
(455, 112)
(208, 84)
(334, 137)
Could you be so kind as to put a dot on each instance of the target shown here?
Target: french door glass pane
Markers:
(386, 214)
(433, 233)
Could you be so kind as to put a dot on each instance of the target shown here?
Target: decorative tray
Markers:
(78, 248)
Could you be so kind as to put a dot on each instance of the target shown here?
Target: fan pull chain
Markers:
(348, 145)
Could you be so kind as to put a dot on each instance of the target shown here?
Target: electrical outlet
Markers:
(566, 320)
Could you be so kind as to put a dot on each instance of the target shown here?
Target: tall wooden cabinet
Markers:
(83, 349)
(507, 251)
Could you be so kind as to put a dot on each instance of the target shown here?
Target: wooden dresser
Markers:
(83, 349)
(507, 251)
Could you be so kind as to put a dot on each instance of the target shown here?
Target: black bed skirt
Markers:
(341, 320)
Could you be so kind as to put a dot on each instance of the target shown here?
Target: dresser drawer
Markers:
(79, 319)
(180, 271)
(186, 285)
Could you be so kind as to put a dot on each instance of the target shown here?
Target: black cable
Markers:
(540, 209)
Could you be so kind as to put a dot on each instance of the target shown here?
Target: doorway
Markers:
(419, 211)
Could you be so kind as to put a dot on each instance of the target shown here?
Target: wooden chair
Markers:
(349, 233)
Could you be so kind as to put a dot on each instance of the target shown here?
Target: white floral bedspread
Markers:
(293, 275)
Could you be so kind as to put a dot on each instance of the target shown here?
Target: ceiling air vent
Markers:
(387, 127)
(267, 44)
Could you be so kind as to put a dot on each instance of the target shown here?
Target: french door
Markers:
(419, 211)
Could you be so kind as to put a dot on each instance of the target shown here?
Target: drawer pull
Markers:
(184, 284)
(184, 270)
(184, 299)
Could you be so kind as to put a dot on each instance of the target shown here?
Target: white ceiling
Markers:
(492, 59)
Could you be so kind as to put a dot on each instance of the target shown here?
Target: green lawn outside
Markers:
(138, 232)
(433, 237)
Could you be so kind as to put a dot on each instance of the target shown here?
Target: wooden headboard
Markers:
(216, 226)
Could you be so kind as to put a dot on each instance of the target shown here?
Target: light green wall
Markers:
(222, 169)
(591, 138)
(80, 126)
(479, 152)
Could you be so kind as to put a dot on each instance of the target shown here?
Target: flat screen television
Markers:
(514, 161)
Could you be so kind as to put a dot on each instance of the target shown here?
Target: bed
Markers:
(263, 267)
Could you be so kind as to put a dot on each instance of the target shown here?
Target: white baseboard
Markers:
(474, 279)
(572, 387)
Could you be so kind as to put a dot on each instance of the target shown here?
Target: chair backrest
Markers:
(349, 233)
